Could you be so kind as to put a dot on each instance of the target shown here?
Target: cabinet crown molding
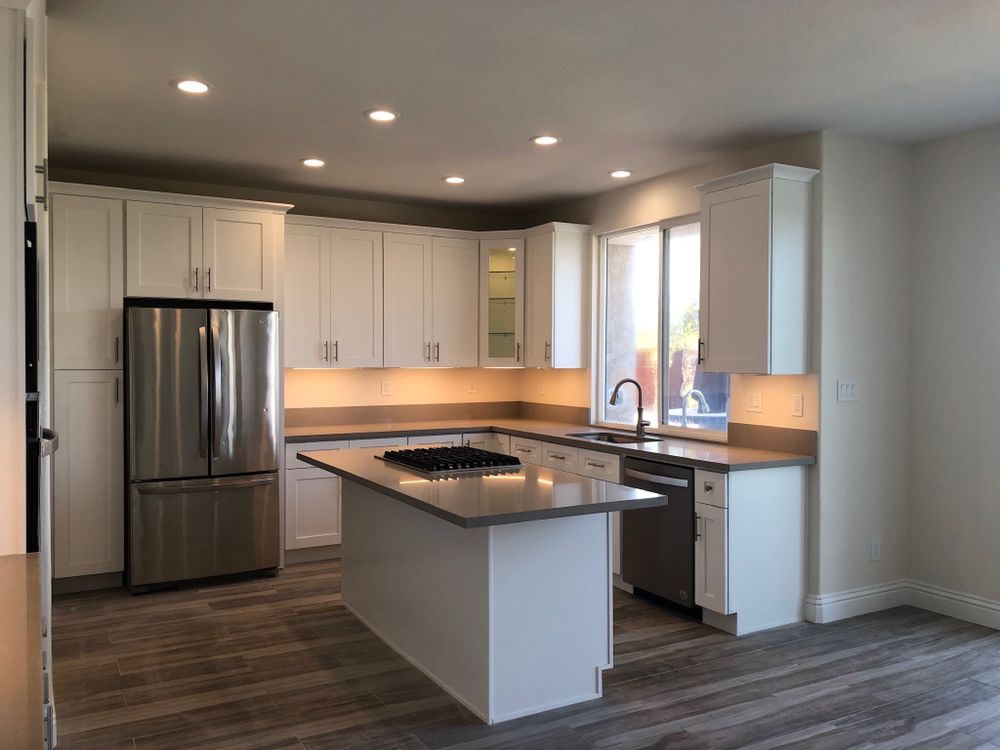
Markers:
(153, 196)
(766, 172)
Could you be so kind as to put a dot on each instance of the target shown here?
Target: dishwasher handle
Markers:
(645, 476)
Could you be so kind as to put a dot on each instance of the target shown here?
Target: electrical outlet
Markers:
(471, 387)
(876, 549)
(798, 407)
(847, 389)
(755, 402)
(385, 387)
(541, 387)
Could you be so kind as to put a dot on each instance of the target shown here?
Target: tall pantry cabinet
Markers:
(109, 244)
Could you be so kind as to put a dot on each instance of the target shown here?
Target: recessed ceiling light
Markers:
(621, 174)
(381, 115)
(454, 179)
(313, 162)
(511, 249)
(546, 140)
(191, 86)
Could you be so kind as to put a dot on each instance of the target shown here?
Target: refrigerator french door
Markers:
(202, 405)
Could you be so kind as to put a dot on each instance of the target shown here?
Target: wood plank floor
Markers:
(279, 664)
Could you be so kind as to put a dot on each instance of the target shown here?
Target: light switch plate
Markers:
(798, 407)
(755, 402)
(385, 387)
(471, 387)
(847, 389)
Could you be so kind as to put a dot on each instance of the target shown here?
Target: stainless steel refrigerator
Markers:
(202, 411)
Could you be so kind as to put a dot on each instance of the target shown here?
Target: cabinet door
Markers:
(606, 466)
(561, 457)
(455, 302)
(381, 442)
(429, 440)
(538, 301)
(736, 278)
(356, 300)
(312, 508)
(163, 255)
(488, 441)
(239, 255)
(501, 303)
(529, 451)
(293, 449)
(88, 493)
(88, 281)
(306, 314)
(711, 558)
(407, 322)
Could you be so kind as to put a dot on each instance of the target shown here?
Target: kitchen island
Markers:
(496, 585)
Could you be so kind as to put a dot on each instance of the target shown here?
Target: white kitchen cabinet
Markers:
(556, 313)
(333, 297)
(163, 250)
(529, 451)
(562, 457)
(616, 549)
(501, 303)
(238, 249)
(597, 465)
(407, 283)
(312, 508)
(755, 237)
(711, 558)
(293, 449)
(87, 282)
(488, 441)
(394, 441)
(88, 493)
(455, 302)
(436, 440)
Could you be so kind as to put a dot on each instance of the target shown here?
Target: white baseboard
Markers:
(960, 605)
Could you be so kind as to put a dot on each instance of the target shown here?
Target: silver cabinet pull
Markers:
(437, 352)
(336, 351)
(709, 487)
(43, 170)
(326, 351)
(595, 465)
(116, 348)
(548, 351)
(196, 274)
(428, 357)
(203, 404)
(560, 456)
(517, 357)
(117, 397)
(697, 527)
(520, 449)
(208, 281)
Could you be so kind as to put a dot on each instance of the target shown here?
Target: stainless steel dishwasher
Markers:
(658, 543)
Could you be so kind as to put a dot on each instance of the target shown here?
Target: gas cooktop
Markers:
(448, 459)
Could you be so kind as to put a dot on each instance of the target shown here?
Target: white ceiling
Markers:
(648, 85)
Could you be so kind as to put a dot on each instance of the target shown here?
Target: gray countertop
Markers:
(696, 453)
(472, 500)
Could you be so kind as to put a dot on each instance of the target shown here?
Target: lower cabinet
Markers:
(560, 457)
(434, 440)
(88, 494)
(488, 441)
(711, 564)
(529, 451)
(312, 508)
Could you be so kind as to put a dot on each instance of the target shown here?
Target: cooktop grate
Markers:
(449, 459)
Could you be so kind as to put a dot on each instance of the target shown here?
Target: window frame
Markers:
(600, 384)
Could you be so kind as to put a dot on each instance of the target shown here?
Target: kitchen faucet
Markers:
(640, 425)
(698, 396)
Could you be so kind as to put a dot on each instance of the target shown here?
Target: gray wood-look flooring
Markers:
(278, 663)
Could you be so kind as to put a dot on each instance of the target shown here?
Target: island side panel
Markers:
(551, 613)
(420, 584)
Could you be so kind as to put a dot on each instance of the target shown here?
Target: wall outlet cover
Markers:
(471, 387)
(385, 387)
(798, 406)
(876, 549)
(847, 389)
(755, 402)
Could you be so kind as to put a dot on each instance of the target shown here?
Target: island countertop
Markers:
(475, 500)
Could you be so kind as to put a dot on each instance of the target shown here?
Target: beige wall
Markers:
(863, 323)
(954, 513)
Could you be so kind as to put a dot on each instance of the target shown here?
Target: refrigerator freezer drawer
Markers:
(202, 527)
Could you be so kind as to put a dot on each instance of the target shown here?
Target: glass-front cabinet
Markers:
(501, 315)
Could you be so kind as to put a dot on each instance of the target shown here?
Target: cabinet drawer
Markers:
(394, 441)
(429, 440)
(560, 457)
(291, 462)
(606, 466)
(487, 441)
(529, 451)
(710, 488)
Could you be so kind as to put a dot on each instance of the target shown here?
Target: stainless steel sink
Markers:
(614, 437)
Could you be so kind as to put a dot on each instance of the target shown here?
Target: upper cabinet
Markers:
(194, 252)
(333, 297)
(501, 303)
(556, 293)
(431, 301)
(87, 282)
(755, 235)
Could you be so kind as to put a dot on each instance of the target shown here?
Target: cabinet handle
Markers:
(697, 527)
(196, 274)
(437, 352)
(595, 465)
(519, 449)
(701, 347)
(326, 351)
(517, 357)
(548, 351)
(43, 170)
(117, 399)
(560, 456)
(336, 351)
(709, 487)
(208, 282)
(428, 357)
(116, 348)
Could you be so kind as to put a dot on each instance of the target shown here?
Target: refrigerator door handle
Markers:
(203, 392)
(216, 394)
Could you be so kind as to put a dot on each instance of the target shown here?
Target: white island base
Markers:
(510, 620)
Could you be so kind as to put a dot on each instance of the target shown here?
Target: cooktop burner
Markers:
(448, 459)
